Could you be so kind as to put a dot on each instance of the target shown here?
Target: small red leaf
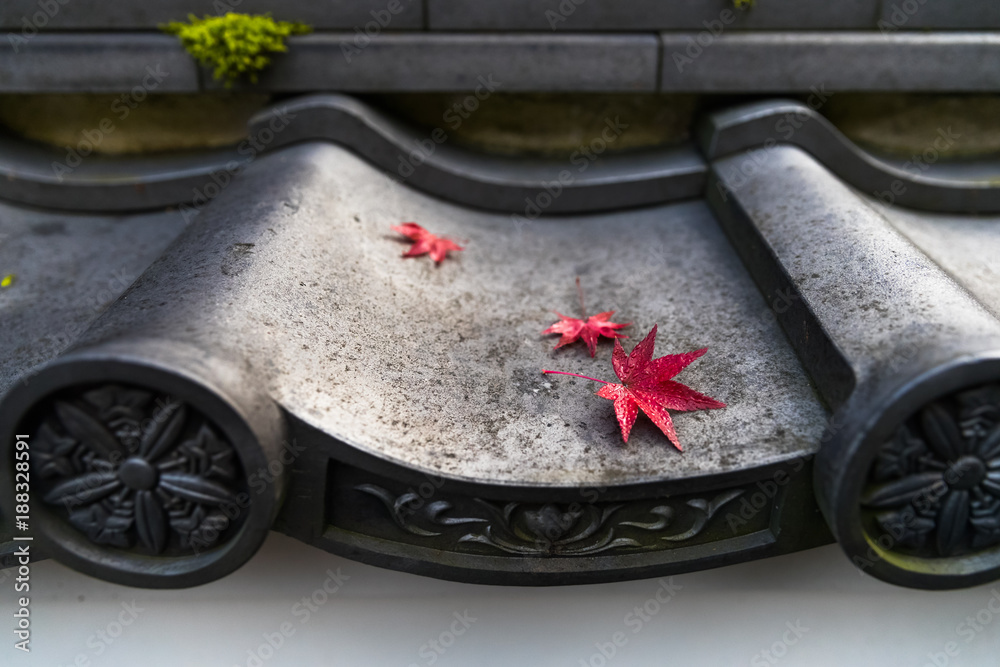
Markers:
(589, 330)
(647, 386)
(425, 243)
(573, 329)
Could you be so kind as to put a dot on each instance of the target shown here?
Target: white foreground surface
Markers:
(724, 617)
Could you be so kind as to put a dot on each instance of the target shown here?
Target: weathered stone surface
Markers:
(99, 15)
(689, 61)
(289, 286)
(967, 247)
(779, 62)
(648, 15)
(922, 14)
(907, 358)
(448, 62)
(440, 369)
(68, 269)
(135, 64)
(874, 294)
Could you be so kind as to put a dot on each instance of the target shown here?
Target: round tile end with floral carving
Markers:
(136, 470)
(142, 484)
(908, 476)
(933, 490)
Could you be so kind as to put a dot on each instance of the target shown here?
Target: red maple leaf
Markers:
(573, 329)
(426, 243)
(647, 386)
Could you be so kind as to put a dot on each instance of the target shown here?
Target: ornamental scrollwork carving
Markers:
(551, 529)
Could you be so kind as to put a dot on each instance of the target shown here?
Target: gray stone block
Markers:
(647, 14)
(18, 15)
(98, 63)
(441, 62)
(790, 61)
(922, 14)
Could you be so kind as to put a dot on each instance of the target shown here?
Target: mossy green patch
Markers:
(234, 45)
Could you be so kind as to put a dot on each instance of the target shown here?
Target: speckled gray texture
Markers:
(97, 63)
(439, 368)
(967, 247)
(779, 62)
(647, 15)
(969, 15)
(878, 297)
(143, 15)
(68, 269)
(398, 60)
(454, 62)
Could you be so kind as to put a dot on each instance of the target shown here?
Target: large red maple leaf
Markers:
(573, 329)
(426, 243)
(647, 385)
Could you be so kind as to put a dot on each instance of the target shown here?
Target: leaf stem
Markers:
(579, 293)
(576, 375)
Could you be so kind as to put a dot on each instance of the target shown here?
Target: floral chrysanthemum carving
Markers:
(133, 470)
(935, 486)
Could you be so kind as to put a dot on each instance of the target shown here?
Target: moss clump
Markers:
(234, 44)
(744, 4)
